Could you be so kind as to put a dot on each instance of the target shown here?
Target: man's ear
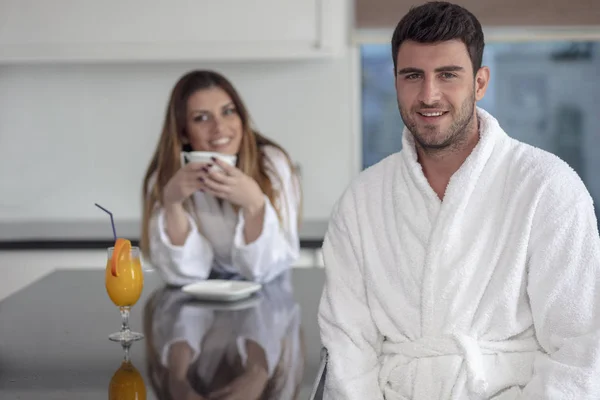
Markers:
(482, 79)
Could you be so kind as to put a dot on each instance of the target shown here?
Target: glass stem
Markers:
(124, 319)
(126, 347)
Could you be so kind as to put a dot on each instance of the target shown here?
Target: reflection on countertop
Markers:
(252, 347)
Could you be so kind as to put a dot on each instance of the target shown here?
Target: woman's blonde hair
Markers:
(166, 159)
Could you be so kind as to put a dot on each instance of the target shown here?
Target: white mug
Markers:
(206, 157)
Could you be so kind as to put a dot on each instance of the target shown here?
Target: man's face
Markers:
(437, 91)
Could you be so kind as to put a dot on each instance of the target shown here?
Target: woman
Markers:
(239, 221)
(196, 351)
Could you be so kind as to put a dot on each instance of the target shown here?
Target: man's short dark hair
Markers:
(439, 21)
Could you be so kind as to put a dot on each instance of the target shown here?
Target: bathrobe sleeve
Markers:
(278, 245)
(265, 330)
(564, 292)
(175, 319)
(347, 330)
(191, 325)
(179, 265)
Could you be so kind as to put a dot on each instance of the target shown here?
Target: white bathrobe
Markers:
(269, 318)
(220, 245)
(492, 293)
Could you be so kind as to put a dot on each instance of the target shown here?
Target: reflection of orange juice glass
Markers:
(127, 384)
(125, 289)
(124, 281)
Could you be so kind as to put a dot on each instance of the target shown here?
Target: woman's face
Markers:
(213, 122)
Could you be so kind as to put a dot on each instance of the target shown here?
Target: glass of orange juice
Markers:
(124, 281)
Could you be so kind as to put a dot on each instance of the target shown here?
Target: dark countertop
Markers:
(98, 234)
(54, 333)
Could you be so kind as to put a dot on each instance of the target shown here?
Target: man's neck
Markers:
(439, 166)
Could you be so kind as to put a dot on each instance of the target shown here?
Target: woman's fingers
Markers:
(211, 179)
(228, 169)
(195, 167)
(214, 186)
(215, 175)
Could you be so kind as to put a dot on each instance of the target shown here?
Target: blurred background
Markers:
(84, 85)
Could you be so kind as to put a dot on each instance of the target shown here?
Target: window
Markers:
(542, 93)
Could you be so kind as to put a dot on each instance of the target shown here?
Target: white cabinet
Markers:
(169, 30)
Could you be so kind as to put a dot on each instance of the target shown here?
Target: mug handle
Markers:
(182, 158)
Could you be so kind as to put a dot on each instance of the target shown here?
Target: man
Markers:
(466, 265)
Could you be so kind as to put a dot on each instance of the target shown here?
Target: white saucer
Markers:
(221, 290)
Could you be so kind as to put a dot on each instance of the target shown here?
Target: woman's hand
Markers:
(233, 185)
(183, 184)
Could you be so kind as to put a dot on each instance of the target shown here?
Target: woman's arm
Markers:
(254, 216)
(177, 249)
(177, 227)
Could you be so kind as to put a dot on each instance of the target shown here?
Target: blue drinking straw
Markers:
(112, 221)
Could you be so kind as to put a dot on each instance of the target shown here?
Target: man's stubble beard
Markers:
(457, 133)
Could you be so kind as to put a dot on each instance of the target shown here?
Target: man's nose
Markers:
(430, 92)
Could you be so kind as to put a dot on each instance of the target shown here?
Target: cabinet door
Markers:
(125, 30)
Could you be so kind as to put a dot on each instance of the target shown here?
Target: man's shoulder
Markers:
(374, 175)
(377, 173)
(366, 184)
(544, 171)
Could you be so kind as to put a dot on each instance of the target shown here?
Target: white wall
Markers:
(72, 135)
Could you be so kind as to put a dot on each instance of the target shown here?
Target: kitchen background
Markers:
(84, 84)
